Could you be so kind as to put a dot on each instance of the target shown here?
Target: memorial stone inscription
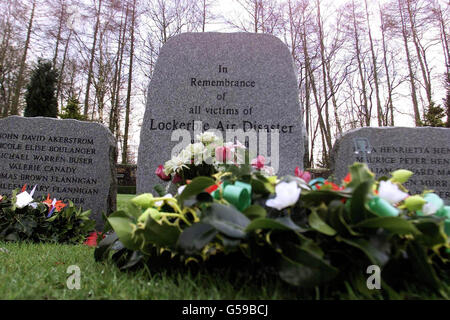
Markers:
(68, 159)
(226, 81)
(425, 151)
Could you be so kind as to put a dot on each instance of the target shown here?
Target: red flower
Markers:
(259, 162)
(212, 188)
(177, 178)
(348, 178)
(305, 175)
(160, 173)
(24, 188)
(334, 186)
(92, 239)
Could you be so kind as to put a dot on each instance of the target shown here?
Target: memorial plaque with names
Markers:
(227, 81)
(425, 151)
(68, 159)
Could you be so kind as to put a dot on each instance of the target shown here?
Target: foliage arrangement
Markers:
(41, 91)
(45, 220)
(307, 232)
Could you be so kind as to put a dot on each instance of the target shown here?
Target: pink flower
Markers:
(177, 178)
(223, 154)
(305, 175)
(160, 173)
(258, 162)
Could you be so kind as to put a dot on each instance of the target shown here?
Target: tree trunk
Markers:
(130, 78)
(91, 61)
(380, 117)
(63, 64)
(58, 36)
(365, 104)
(326, 130)
(390, 105)
(420, 53)
(410, 69)
(18, 89)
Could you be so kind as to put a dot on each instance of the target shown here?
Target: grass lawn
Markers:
(39, 271)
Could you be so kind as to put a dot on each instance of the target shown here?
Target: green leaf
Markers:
(395, 225)
(12, 237)
(358, 210)
(421, 265)
(360, 173)
(336, 218)
(196, 237)
(414, 203)
(318, 224)
(401, 175)
(272, 224)
(101, 253)
(197, 186)
(144, 200)
(302, 267)
(161, 234)
(432, 232)
(288, 222)
(316, 197)
(133, 260)
(227, 220)
(133, 211)
(261, 186)
(375, 254)
(255, 211)
(124, 229)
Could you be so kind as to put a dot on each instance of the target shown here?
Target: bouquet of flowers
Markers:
(45, 220)
(206, 157)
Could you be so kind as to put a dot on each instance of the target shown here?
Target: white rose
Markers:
(23, 199)
(287, 195)
(207, 137)
(390, 192)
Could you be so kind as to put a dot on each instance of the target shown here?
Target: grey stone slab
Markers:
(69, 159)
(178, 94)
(424, 150)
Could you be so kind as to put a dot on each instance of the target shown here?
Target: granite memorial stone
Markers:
(425, 151)
(227, 81)
(68, 159)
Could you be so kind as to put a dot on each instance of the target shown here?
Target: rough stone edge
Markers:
(304, 144)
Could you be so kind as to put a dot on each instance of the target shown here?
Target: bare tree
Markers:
(20, 78)
(92, 57)
(130, 79)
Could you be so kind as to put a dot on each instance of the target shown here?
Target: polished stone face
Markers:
(425, 151)
(68, 159)
(226, 81)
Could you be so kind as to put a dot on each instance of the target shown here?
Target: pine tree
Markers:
(72, 110)
(433, 116)
(40, 96)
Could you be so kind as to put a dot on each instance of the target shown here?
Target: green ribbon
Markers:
(435, 200)
(382, 207)
(238, 194)
(314, 182)
(444, 212)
